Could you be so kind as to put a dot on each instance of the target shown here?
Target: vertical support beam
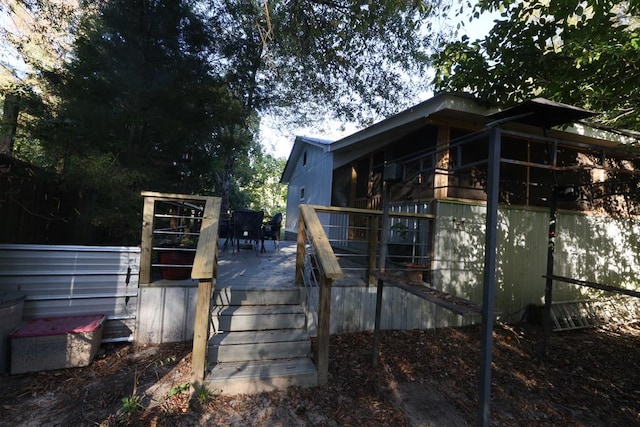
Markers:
(488, 290)
(441, 180)
(372, 227)
(147, 240)
(324, 326)
(384, 234)
(548, 290)
(300, 250)
(383, 260)
(201, 332)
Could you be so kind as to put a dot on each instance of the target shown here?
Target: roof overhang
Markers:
(410, 119)
(540, 112)
(296, 151)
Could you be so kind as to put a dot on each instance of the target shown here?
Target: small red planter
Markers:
(176, 258)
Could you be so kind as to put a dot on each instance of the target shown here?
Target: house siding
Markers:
(315, 177)
(588, 247)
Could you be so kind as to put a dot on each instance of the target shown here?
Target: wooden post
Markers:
(147, 240)
(300, 251)
(324, 326)
(205, 269)
(201, 333)
(441, 179)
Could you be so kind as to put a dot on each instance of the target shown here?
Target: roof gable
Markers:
(299, 145)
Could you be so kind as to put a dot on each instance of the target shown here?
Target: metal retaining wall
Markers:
(75, 280)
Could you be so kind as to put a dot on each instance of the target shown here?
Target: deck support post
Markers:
(324, 329)
(201, 333)
(488, 289)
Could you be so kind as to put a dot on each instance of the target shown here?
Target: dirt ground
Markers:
(423, 378)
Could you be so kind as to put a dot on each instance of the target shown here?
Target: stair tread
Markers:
(261, 369)
(267, 336)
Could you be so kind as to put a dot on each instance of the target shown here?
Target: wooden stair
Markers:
(259, 341)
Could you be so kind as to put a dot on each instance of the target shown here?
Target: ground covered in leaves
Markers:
(424, 378)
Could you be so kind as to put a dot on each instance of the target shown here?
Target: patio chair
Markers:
(271, 230)
(247, 225)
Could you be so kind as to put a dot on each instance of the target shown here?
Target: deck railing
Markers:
(327, 235)
(199, 222)
(314, 250)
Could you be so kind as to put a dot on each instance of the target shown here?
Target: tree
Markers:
(129, 106)
(265, 189)
(357, 59)
(33, 34)
(581, 53)
(166, 95)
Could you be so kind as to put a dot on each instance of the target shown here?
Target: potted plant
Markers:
(176, 252)
(402, 251)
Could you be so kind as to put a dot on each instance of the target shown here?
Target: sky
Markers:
(278, 142)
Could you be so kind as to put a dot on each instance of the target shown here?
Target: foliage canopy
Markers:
(582, 53)
(165, 95)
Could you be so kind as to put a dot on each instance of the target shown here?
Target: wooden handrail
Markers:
(329, 269)
(205, 263)
(205, 269)
(344, 210)
(328, 263)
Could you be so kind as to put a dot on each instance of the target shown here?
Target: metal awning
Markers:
(541, 112)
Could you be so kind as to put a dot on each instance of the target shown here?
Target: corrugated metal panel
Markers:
(75, 280)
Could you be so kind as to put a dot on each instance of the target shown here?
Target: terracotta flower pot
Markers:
(176, 258)
(414, 272)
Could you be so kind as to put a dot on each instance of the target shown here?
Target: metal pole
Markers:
(546, 318)
(383, 260)
(488, 290)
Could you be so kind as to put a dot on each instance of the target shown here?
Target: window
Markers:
(304, 159)
(301, 193)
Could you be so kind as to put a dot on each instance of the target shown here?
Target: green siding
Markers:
(596, 248)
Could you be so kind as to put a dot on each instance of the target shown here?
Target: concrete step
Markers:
(257, 317)
(256, 377)
(256, 296)
(259, 345)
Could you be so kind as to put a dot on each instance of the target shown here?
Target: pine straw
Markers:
(589, 378)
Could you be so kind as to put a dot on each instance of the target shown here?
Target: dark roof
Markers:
(541, 112)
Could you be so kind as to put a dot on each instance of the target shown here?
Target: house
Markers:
(309, 164)
(437, 154)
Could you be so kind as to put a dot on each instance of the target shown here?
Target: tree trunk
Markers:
(225, 183)
(9, 124)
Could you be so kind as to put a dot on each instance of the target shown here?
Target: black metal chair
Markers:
(271, 230)
(247, 225)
